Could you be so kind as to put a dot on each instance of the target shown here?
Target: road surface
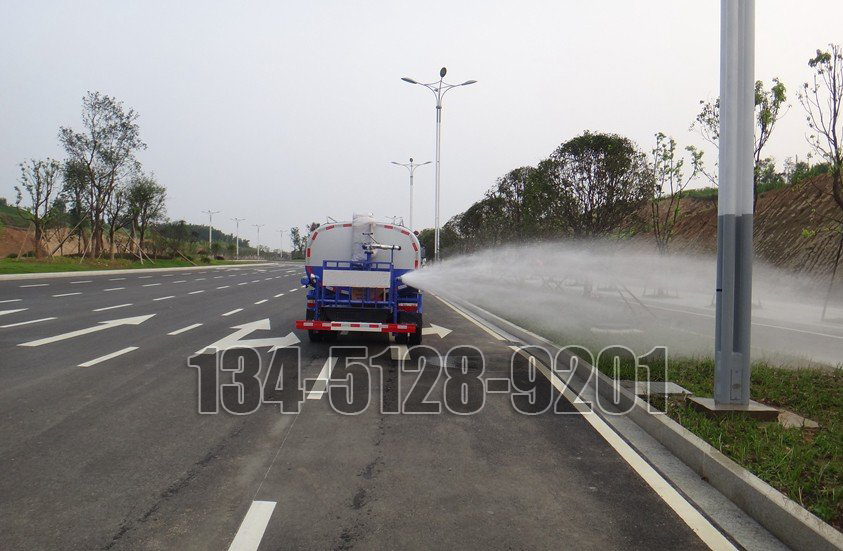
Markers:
(102, 445)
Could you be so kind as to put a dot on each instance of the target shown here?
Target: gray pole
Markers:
(259, 226)
(237, 237)
(411, 167)
(210, 214)
(734, 204)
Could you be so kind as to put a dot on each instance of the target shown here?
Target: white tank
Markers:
(345, 241)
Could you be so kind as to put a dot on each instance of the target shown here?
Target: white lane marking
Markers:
(224, 287)
(111, 307)
(321, 382)
(200, 279)
(150, 284)
(10, 300)
(181, 281)
(136, 320)
(114, 289)
(165, 298)
(200, 273)
(83, 281)
(278, 295)
(196, 292)
(95, 361)
(693, 518)
(116, 278)
(293, 290)
(267, 278)
(34, 285)
(251, 530)
(167, 275)
(218, 277)
(25, 322)
(144, 277)
(68, 294)
(4, 312)
(184, 329)
(261, 301)
(233, 311)
(244, 283)
(256, 281)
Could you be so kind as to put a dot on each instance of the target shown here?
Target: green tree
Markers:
(146, 205)
(38, 179)
(670, 181)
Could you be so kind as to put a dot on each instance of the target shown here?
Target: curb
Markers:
(783, 517)
(79, 273)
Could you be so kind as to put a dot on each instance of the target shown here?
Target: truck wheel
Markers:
(313, 336)
(401, 338)
(415, 338)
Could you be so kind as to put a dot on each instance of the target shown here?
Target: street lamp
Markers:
(259, 226)
(281, 243)
(210, 214)
(237, 237)
(439, 89)
(411, 167)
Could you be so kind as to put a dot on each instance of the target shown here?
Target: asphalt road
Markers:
(102, 445)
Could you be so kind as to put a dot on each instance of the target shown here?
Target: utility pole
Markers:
(237, 237)
(210, 214)
(281, 243)
(259, 226)
(411, 168)
(439, 88)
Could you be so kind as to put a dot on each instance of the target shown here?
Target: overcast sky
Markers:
(288, 112)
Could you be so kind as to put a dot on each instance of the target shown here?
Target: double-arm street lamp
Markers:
(237, 237)
(411, 167)
(259, 226)
(210, 214)
(439, 88)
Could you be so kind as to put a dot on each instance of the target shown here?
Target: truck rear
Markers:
(353, 272)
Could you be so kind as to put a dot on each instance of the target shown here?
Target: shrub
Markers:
(12, 255)
(206, 260)
(219, 257)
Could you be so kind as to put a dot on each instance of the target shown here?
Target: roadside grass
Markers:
(805, 464)
(27, 265)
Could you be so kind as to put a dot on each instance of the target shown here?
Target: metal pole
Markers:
(411, 168)
(438, 136)
(259, 226)
(210, 214)
(734, 204)
(237, 237)
(281, 244)
(411, 199)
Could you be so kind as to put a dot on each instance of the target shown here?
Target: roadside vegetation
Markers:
(31, 265)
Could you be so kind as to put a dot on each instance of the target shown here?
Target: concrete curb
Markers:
(80, 273)
(783, 517)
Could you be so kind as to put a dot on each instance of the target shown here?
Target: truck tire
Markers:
(313, 336)
(415, 338)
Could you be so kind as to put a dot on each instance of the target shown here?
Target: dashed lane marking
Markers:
(4, 312)
(184, 329)
(68, 294)
(181, 281)
(95, 361)
(111, 307)
(10, 300)
(165, 298)
(25, 322)
(233, 312)
(34, 285)
(261, 301)
(114, 289)
(224, 287)
(116, 278)
(251, 530)
(321, 383)
(293, 290)
(77, 282)
(150, 284)
(196, 292)
(278, 295)
(144, 277)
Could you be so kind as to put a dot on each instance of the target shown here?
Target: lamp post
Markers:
(281, 243)
(439, 88)
(210, 214)
(411, 168)
(259, 226)
(733, 313)
(237, 237)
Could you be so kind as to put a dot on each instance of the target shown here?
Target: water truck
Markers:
(353, 273)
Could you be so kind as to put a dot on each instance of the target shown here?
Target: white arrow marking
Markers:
(436, 330)
(4, 312)
(79, 332)
(236, 339)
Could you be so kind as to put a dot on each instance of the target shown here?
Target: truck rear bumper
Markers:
(356, 326)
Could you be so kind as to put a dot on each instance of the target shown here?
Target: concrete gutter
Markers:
(53, 275)
(783, 517)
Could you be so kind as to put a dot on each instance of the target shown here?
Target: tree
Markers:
(601, 179)
(146, 202)
(38, 179)
(822, 100)
(669, 184)
(103, 152)
(769, 108)
(115, 215)
(76, 190)
(297, 240)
